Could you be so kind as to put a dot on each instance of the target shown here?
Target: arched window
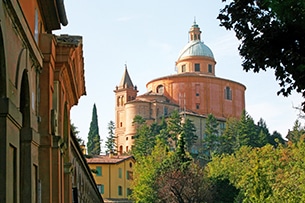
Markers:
(121, 150)
(122, 100)
(228, 93)
(160, 89)
(118, 101)
(183, 68)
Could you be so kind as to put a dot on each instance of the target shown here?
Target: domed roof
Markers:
(195, 48)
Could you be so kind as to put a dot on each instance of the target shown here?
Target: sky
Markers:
(147, 36)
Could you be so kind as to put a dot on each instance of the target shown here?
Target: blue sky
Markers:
(148, 36)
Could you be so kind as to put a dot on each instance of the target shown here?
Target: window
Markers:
(129, 191)
(197, 67)
(118, 101)
(126, 148)
(197, 88)
(120, 172)
(122, 100)
(160, 89)
(165, 111)
(100, 188)
(210, 68)
(129, 175)
(228, 93)
(98, 171)
(183, 68)
(222, 125)
(120, 191)
(197, 106)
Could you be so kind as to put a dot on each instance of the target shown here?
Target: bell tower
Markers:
(124, 93)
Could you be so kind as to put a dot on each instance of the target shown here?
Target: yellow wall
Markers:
(111, 180)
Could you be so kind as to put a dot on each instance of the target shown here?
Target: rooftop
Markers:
(108, 159)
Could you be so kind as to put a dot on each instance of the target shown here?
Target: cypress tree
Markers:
(94, 145)
(110, 143)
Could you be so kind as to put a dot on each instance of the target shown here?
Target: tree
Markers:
(146, 172)
(94, 140)
(228, 138)
(189, 130)
(75, 132)
(297, 132)
(210, 141)
(170, 176)
(183, 186)
(272, 36)
(263, 133)
(275, 139)
(110, 142)
(144, 139)
(174, 127)
(265, 174)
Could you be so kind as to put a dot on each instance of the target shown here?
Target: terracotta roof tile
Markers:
(106, 159)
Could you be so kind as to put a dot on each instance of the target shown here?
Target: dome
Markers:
(195, 48)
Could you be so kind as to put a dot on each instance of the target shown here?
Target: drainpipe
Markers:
(62, 12)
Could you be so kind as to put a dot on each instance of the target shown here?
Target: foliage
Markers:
(110, 142)
(211, 140)
(265, 174)
(169, 176)
(238, 133)
(272, 36)
(189, 131)
(174, 126)
(275, 139)
(145, 174)
(94, 140)
(75, 132)
(223, 191)
(144, 139)
(184, 186)
(167, 130)
(297, 132)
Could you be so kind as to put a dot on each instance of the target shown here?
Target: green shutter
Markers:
(120, 172)
(99, 171)
(102, 189)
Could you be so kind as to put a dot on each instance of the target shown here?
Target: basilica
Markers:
(195, 91)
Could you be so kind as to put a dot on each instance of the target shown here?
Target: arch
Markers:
(121, 150)
(122, 100)
(2, 68)
(26, 182)
(160, 89)
(25, 100)
(118, 101)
